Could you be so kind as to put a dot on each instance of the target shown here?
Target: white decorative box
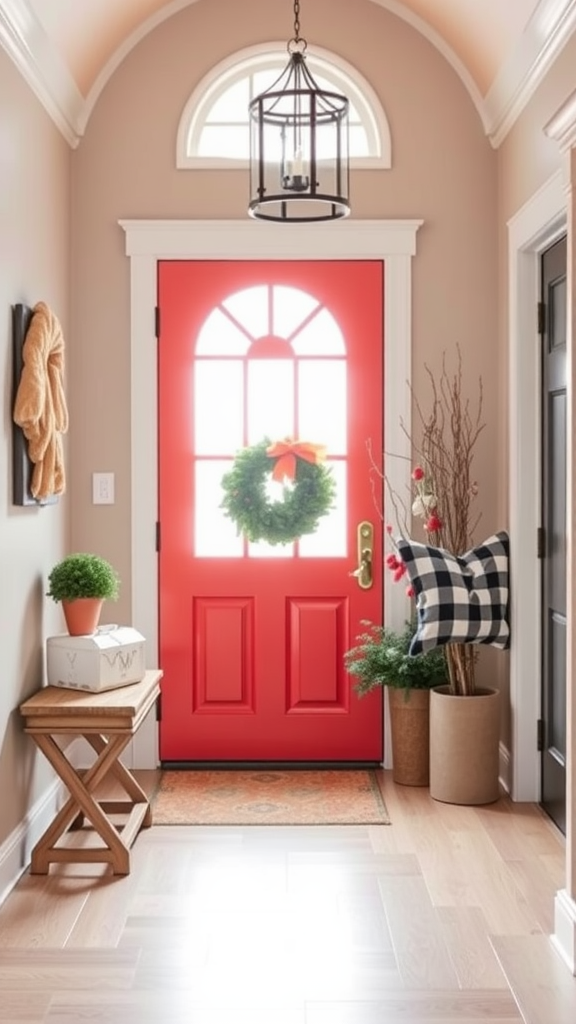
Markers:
(113, 656)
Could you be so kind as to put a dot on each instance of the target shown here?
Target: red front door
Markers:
(252, 636)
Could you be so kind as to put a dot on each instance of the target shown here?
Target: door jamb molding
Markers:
(532, 229)
(147, 242)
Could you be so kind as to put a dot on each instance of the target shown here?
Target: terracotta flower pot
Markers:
(410, 733)
(82, 615)
(464, 746)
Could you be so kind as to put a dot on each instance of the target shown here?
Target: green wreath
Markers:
(304, 501)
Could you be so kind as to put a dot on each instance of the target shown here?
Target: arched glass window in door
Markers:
(270, 361)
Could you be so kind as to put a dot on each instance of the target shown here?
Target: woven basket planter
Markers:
(410, 731)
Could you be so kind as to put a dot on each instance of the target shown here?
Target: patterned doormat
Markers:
(292, 797)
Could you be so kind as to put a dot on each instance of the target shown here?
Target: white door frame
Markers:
(533, 228)
(147, 242)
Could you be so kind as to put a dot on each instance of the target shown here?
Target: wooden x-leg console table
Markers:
(108, 721)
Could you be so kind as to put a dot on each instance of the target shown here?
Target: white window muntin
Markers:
(257, 67)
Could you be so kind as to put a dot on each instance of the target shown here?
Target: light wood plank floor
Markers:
(442, 917)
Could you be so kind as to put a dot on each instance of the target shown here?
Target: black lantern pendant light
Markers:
(299, 168)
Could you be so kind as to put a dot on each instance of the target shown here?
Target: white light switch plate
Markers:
(102, 488)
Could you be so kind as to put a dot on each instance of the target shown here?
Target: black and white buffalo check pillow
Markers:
(459, 599)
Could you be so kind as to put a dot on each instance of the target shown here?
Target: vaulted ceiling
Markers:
(481, 32)
(500, 48)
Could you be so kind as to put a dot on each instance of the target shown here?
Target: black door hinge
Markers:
(157, 536)
(540, 734)
(540, 542)
(159, 708)
(541, 315)
(157, 321)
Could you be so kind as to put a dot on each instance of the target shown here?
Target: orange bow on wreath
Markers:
(288, 450)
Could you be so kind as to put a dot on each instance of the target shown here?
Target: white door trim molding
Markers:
(536, 225)
(147, 241)
(564, 937)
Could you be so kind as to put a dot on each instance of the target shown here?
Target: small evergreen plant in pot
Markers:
(381, 658)
(82, 582)
(83, 575)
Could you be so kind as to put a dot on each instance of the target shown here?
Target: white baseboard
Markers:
(15, 851)
(564, 938)
(505, 768)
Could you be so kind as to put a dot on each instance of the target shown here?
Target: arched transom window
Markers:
(276, 358)
(214, 127)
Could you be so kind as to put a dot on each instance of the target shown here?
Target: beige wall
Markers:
(444, 171)
(34, 262)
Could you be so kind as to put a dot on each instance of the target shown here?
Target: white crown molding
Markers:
(562, 127)
(543, 39)
(245, 239)
(41, 65)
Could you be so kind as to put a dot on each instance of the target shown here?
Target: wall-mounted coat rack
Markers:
(22, 466)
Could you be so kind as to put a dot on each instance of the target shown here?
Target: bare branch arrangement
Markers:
(449, 435)
(444, 486)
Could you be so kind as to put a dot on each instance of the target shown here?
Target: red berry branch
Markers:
(443, 488)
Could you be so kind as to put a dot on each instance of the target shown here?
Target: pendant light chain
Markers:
(296, 21)
(297, 44)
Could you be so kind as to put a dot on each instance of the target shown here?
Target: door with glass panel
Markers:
(252, 635)
(553, 548)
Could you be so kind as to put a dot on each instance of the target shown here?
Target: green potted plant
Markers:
(82, 582)
(381, 658)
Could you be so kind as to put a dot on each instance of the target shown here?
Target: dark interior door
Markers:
(553, 549)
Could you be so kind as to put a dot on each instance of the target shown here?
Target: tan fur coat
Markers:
(40, 406)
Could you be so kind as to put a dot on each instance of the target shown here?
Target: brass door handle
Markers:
(365, 536)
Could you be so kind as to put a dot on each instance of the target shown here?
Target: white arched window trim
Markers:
(255, 58)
